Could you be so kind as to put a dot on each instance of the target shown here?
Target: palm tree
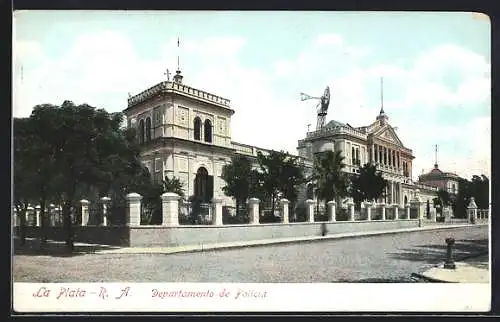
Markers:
(173, 185)
(329, 180)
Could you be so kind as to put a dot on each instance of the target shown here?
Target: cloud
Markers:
(27, 51)
(101, 68)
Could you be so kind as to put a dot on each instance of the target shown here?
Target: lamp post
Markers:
(449, 263)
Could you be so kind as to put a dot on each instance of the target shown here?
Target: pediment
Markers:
(387, 134)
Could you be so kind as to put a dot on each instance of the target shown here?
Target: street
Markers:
(383, 258)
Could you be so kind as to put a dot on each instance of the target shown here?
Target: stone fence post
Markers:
(253, 210)
(170, 209)
(217, 212)
(472, 211)
(331, 210)
(382, 208)
(396, 211)
(29, 212)
(284, 210)
(105, 201)
(38, 215)
(52, 215)
(350, 209)
(368, 206)
(433, 214)
(85, 212)
(310, 210)
(133, 209)
(417, 205)
(15, 217)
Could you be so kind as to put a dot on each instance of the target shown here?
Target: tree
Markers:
(81, 148)
(23, 188)
(480, 188)
(280, 174)
(292, 176)
(328, 178)
(443, 198)
(239, 177)
(368, 185)
(173, 185)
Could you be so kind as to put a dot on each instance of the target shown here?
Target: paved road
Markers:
(383, 258)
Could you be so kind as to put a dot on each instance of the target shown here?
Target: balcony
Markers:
(335, 131)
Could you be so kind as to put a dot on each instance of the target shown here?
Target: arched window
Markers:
(148, 129)
(203, 185)
(208, 131)
(358, 161)
(141, 131)
(197, 128)
(310, 191)
(406, 200)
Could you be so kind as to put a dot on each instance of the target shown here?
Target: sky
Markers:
(435, 68)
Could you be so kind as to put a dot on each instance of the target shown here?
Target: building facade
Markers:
(186, 133)
(376, 143)
(442, 180)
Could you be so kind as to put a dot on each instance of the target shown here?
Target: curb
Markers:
(276, 242)
(420, 276)
(425, 279)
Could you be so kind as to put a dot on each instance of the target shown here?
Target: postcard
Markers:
(264, 161)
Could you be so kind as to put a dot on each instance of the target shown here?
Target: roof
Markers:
(333, 124)
(436, 173)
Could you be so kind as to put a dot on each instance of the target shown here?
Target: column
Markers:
(310, 210)
(407, 209)
(350, 208)
(85, 212)
(105, 201)
(284, 210)
(400, 187)
(393, 193)
(170, 209)
(396, 209)
(331, 210)
(382, 207)
(253, 210)
(373, 154)
(133, 209)
(38, 215)
(368, 206)
(217, 212)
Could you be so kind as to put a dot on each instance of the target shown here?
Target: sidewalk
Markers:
(470, 270)
(252, 243)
